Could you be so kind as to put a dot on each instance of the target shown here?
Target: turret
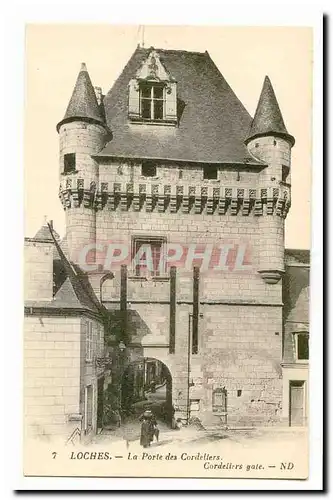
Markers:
(83, 133)
(269, 141)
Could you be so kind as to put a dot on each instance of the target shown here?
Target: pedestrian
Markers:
(149, 428)
(153, 386)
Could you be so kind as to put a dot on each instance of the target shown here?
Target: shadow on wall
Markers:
(134, 324)
(295, 288)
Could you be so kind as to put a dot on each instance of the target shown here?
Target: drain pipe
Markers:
(190, 319)
(193, 333)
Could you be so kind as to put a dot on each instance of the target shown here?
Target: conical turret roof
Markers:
(43, 232)
(83, 103)
(268, 117)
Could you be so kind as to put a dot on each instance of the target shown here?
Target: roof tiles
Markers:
(213, 123)
(83, 103)
(268, 117)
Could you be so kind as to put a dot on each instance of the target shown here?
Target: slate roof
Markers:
(43, 233)
(83, 103)
(72, 287)
(74, 292)
(296, 299)
(268, 117)
(296, 287)
(67, 297)
(213, 123)
(297, 256)
(296, 308)
(64, 247)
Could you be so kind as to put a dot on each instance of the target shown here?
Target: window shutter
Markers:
(85, 336)
(134, 100)
(171, 102)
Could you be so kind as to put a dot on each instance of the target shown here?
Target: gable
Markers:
(152, 69)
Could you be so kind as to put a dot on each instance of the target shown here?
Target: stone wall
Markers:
(241, 348)
(51, 375)
(55, 374)
(240, 332)
(124, 171)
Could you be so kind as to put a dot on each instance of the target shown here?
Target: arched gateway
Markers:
(135, 382)
(146, 382)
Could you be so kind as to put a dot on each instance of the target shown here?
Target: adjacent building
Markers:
(63, 341)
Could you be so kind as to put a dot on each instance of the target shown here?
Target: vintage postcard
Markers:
(167, 251)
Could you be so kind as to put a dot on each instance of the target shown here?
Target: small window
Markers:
(148, 169)
(285, 173)
(210, 172)
(302, 346)
(147, 256)
(69, 163)
(89, 340)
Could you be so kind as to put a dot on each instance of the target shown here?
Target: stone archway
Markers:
(147, 382)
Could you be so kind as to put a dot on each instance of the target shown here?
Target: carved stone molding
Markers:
(183, 198)
(271, 276)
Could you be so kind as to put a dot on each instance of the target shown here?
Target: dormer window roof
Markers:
(153, 93)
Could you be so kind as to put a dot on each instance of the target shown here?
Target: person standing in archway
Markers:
(148, 427)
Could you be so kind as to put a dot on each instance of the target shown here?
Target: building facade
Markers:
(63, 341)
(175, 202)
(295, 365)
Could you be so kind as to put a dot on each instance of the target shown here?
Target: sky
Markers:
(244, 55)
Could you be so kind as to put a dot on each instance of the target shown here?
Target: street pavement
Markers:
(250, 442)
(191, 437)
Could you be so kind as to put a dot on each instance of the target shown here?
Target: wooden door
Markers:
(100, 406)
(88, 406)
(296, 402)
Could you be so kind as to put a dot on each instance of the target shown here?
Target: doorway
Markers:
(88, 408)
(100, 394)
(296, 402)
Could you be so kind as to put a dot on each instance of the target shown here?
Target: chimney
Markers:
(98, 92)
(38, 270)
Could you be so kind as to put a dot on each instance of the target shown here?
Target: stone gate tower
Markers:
(186, 167)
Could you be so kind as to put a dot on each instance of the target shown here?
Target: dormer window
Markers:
(152, 101)
(153, 93)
